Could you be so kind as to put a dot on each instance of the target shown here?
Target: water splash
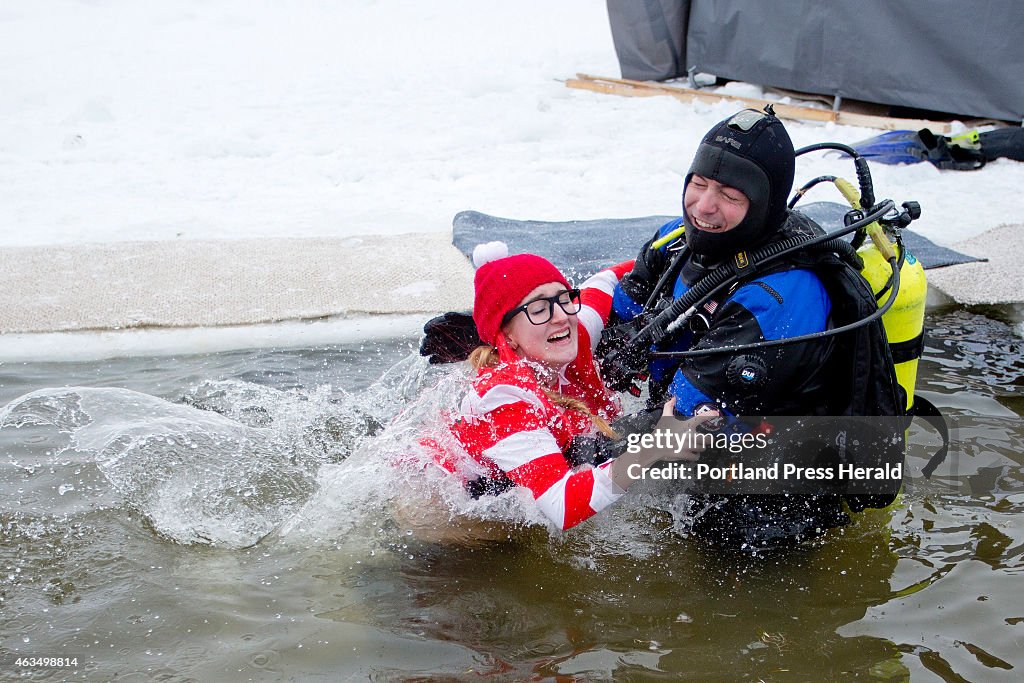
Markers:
(228, 464)
(391, 481)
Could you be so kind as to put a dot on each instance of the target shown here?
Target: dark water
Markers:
(226, 519)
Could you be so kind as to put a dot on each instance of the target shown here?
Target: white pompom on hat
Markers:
(502, 281)
(487, 252)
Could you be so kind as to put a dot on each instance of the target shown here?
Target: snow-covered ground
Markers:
(187, 119)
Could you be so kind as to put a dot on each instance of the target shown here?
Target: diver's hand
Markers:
(627, 468)
(693, 425)
(623, 367)
(647, 269)
(449, 338)
(640, 422)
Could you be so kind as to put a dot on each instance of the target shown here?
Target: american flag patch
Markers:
(711, 307)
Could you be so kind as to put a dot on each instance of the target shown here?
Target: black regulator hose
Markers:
(867, 186)
(894, 263)
(806, 187)
(631, 351)
(670, 274)
(666, 322)
(683, 307)
(891, 279)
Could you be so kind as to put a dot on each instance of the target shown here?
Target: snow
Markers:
(129, 120)
(191, 119)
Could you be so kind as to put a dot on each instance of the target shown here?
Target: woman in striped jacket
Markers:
(537, 387)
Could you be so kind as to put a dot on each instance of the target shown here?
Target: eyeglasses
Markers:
(539, 311)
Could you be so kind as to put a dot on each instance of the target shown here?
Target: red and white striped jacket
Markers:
(509, 425)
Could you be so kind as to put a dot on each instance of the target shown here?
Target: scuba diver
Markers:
(537, 398)
(734, 200)
(735, 206)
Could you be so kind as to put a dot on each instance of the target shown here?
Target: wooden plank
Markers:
(629, 88)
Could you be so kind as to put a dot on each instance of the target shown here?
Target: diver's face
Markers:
(552, 343)
(712, 206)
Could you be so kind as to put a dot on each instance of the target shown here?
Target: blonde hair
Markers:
(487, 357)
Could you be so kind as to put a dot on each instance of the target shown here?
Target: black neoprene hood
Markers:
(750, 151)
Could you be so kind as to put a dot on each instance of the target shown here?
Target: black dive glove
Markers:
(639, 283)
(640, 422)
(595, 449)
(449, 338)
(622, 363)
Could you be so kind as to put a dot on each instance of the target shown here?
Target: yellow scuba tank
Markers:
(904, 321)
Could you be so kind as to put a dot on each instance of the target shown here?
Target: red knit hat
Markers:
(502, 281)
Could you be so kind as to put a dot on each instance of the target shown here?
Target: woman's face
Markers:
(553, 343)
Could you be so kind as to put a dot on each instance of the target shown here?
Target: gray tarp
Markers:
(581, 248)
(952, 56)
